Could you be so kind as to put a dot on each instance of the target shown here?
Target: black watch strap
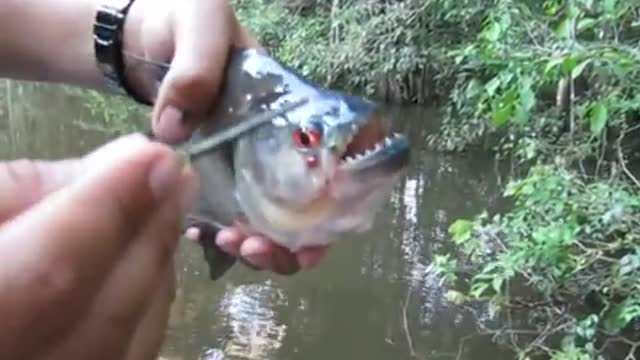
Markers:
(107, 38)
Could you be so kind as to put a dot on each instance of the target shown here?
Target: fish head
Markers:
(322, 169)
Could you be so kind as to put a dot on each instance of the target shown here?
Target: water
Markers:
(371, 298)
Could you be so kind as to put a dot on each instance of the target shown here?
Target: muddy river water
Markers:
(371, 298)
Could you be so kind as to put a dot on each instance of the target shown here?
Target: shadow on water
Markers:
(370, 298)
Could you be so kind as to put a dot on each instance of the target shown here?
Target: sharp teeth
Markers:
(375, 148)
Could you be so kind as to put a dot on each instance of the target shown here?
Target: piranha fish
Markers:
(305, 178)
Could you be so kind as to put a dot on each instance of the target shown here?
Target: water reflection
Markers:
(254, 332)
(370, 299)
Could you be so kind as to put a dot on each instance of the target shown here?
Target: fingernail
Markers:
(226, 237)
(170, 122)
(192, 234)
(255, 252)
(253, 247)
(165, 176)
(171, 115)
(229, 240)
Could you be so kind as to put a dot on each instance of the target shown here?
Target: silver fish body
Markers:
(321, 170)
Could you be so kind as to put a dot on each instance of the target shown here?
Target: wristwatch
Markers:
(107, 39)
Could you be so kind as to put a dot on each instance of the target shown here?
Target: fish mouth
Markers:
(372, 149)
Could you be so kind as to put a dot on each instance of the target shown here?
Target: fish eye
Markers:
(306, 137)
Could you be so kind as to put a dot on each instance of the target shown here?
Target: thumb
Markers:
(64, 247)
(25, 182)
(190, 88)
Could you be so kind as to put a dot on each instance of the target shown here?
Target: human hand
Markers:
(195, 37)
(88, 246)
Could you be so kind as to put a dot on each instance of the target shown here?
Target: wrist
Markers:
(115, 31)
(49, 40)
(141, 77)
(53, 41)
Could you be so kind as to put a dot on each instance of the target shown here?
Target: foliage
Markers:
(571, 244)
(393, 50)
(111, 113)
(519, 73)
(555, 83)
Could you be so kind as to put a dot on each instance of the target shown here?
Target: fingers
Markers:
(63, 249)
(265, 254)
(191, 86)
(137, 293)
(310, 257)
(261, 253)
(229, 240)
(25, 182)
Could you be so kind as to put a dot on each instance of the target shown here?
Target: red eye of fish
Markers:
(306, 137)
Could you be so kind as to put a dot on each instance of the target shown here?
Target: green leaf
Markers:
(586, 24)
(496, 283)
(520, 116)
(598, 118)
(501, 116)
(552, 64)
(571, 10)
(513, 188)
(527, 96)
(473, 88)
(609, 6)
(492, 31)
(461, 229)
(551, 8)
(492, 86)
(621, 315)
(478, 289)
(456, 297)
(568, 64)
(579, 68)
(564, 29)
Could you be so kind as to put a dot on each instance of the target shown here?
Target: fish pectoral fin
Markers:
(218, 261)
